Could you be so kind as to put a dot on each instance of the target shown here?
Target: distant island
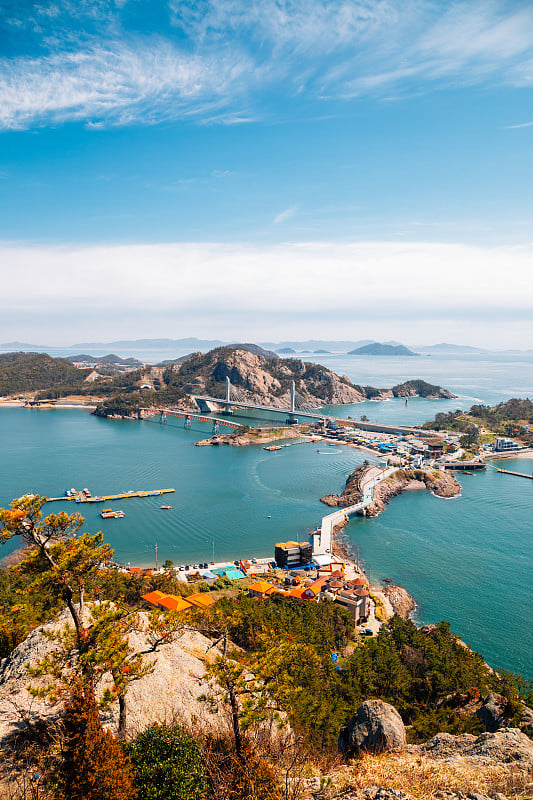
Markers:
(378, 349)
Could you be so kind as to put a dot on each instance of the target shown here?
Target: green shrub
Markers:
(168, 764)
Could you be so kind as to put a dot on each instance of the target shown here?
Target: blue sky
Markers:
(266, 169)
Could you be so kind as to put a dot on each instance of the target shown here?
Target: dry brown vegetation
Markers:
(425, 778)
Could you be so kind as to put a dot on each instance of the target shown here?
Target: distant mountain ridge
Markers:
(193, 344)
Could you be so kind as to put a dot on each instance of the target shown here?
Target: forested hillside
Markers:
(26, 372)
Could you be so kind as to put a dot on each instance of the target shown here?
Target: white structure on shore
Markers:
(322, 538)
(502, 444)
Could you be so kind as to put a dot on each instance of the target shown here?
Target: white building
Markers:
(502, 443)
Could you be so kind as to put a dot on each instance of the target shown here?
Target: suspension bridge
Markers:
(235, 399)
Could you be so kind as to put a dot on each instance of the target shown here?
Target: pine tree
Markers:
(92, 765)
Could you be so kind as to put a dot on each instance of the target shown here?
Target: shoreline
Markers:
(44, 406)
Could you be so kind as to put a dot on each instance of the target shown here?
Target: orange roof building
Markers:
(260, 589)
(201, 600)
(174, 603)
(153, 597)
(297, 592)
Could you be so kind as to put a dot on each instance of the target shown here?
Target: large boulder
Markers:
(375, 726)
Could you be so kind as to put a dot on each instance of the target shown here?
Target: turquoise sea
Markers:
(468, 560)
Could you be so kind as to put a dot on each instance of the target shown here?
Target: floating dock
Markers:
(519, 474)
(79, 497)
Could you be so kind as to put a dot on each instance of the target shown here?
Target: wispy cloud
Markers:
(218, 61)
(116, 83)
(283, 216)
(520, 125)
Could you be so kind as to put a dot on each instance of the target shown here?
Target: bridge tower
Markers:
(162, 417)
(292, 420)
(187, 423)
(227, 404)
(215, 427)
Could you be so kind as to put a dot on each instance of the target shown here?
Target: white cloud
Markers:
(408, 280)
(223, 57)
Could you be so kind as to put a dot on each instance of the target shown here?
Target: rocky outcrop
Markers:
(267, 381)
(258, 436)
(376, 726)
(401, 601)
(353, 488)
(494, 711)
(170, 692)
(506, 746)
(440, 483)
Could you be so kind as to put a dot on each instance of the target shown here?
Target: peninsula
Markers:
(439, 482)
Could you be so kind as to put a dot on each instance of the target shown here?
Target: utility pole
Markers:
(156, 557)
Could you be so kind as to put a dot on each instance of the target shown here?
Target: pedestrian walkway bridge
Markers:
(323, 537)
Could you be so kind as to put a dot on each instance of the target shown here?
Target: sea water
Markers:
(467, 560)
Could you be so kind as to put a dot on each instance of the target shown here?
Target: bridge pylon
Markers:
(227, 403)
(187, 423)
(162, 417)
(292, 419)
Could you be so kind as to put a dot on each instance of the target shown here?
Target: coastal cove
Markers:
(466, 560)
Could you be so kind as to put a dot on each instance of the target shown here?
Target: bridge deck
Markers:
(376, 427)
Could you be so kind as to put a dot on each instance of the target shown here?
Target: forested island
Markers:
(121, 386)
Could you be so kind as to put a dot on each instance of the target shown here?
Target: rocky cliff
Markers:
(170, 692)
(266, 381)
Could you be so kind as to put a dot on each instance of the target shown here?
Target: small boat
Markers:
(274, 447)
(165, 506)
(108, 513)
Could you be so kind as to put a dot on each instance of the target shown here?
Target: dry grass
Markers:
(425, 779)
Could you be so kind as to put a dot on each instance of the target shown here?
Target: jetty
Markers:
(322, 538)
(80, 497)
(518, 474)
